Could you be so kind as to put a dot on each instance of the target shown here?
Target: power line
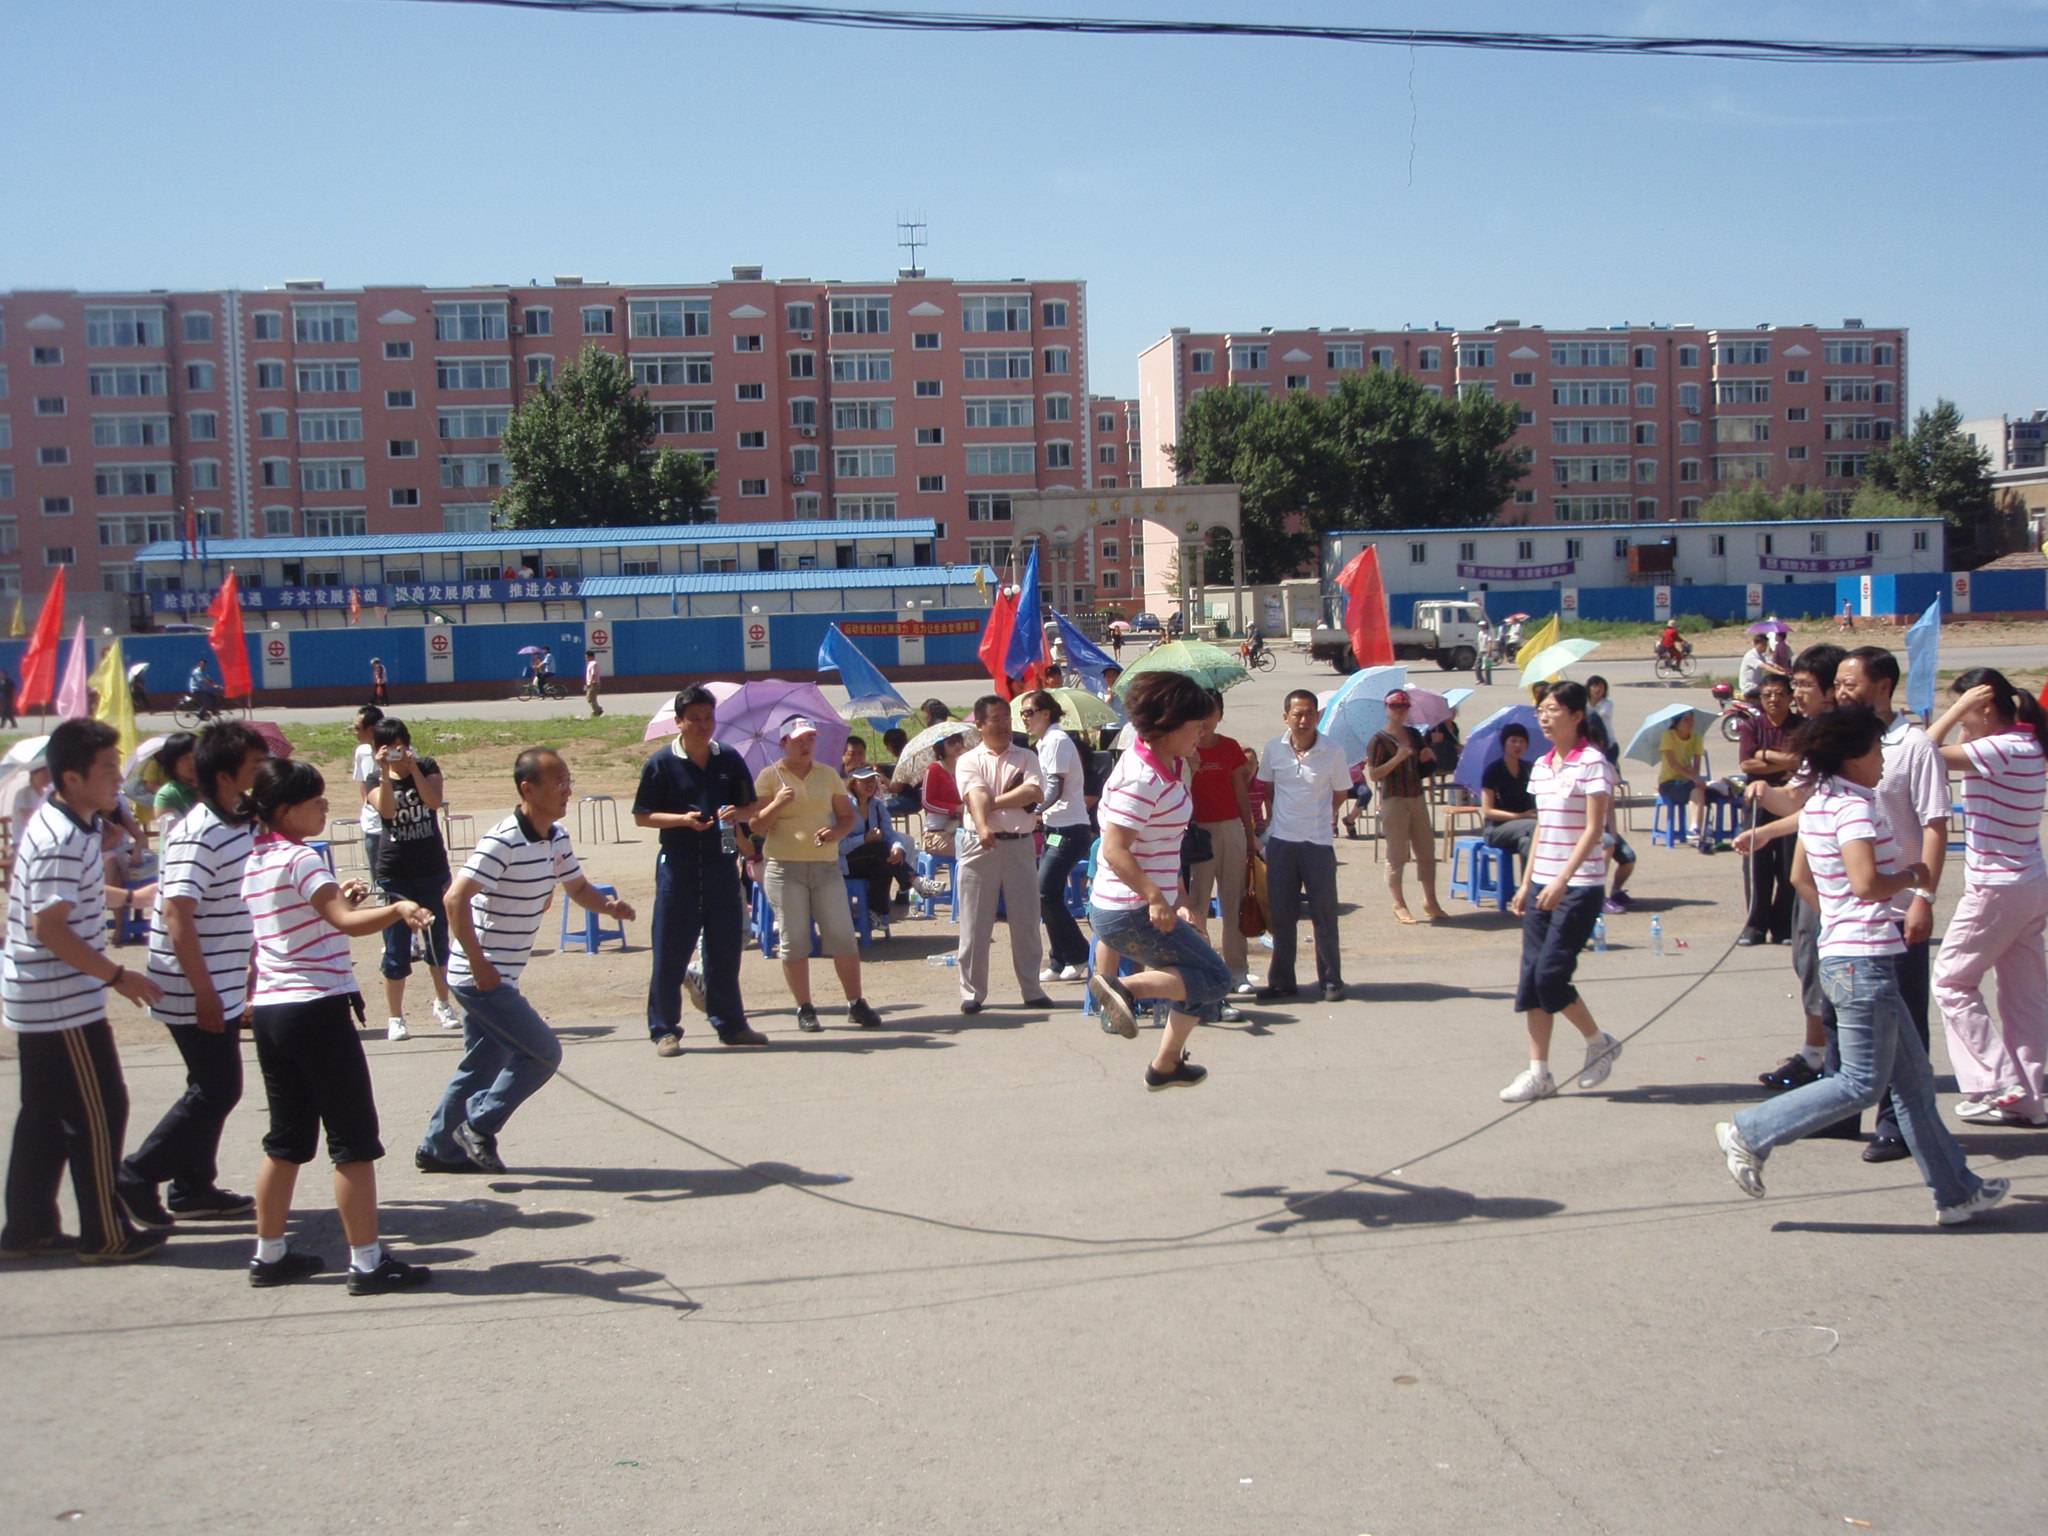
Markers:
(1748, 50)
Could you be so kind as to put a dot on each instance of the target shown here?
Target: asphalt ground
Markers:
(964, 1274)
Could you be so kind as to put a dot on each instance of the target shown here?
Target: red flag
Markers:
(226, 639)
(995, 640)
(39, 660)
(1365, 616)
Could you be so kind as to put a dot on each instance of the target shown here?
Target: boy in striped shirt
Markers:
(199, 950)
(54, 978)
(494, 910)
(1848, 867)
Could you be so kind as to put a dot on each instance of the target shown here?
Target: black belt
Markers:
(1006, 837)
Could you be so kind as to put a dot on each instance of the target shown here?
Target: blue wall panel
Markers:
(486, 653)
(1616, 605)
(2008, 591)
(954, 650)
(794, 638)
(663, 647)
(340, 658)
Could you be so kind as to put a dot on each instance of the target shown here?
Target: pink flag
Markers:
(72, 703)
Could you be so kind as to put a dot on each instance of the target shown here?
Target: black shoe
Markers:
(1039, 1002)
(1886, 1149)
(138, 1197)
(293, 1266)
(1185, 1074)
(1117, 1005)
(1333, 992)
(1795, 1071)
(38, 1247)
(136, 1245)
(858, 1012)
(215, 1204)
(807, 1019)
(426, 1162)
(482, 1148)
(391, 1275)
(1278, 994)
(968, 1005)
(741, 1036)
(1748, 938)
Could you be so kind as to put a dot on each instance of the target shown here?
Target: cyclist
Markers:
(1254, 643)
(1671, 644)
(204, 690)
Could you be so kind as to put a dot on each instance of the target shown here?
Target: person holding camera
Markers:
(412, 865)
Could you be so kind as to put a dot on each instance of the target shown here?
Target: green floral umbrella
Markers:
(1209, 665)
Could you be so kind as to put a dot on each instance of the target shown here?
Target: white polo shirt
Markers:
(1913, 792)
(1303, 785)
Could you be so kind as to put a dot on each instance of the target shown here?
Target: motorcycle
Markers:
(1734, 712)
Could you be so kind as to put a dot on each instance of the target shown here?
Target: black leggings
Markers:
(1551, 942)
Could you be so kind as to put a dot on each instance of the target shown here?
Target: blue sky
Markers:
(1192, 182)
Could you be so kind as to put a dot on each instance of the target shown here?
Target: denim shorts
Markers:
(1129, 931)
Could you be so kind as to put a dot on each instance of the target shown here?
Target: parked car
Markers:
(1146, 621)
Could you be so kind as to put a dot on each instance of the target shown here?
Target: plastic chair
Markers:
(595, 929)
(326, 851)
(928, 865)
(598, 805)
(131, 923)
(1080, 880)
(1481, 873)
(1668, 823)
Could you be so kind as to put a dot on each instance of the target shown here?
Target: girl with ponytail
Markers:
(1999, 922)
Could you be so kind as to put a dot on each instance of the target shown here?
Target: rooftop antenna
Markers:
(910, 235)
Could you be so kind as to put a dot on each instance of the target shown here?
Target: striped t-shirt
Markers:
(516, 870)
(2002, 799)
(56, 859)
(1839, 812)
(1560, 786)
(300, 956)
(203, 860)
(1142, 795)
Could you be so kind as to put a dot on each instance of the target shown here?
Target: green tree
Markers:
(1942, 473)
(1755, 504)
(1380, 453)
(582, 455)
(1869, 501)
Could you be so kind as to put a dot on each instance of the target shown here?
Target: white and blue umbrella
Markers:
(1644, 746)
(1357, 711)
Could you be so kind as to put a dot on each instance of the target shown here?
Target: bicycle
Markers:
(1261, 660)
(1675, 665)
(192, 713)
(549, 687)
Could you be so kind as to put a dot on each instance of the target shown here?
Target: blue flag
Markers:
(1027, 633)
(868, 692)
(1923, 660)
(1084, 655)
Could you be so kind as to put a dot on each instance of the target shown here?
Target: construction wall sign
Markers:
(440, 645)
(277, 660)
(756, 637)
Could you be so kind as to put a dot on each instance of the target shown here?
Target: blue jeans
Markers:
(1064, 848)
(1203, 975)
(1871, 1024)
(397, 962)
(508, 1054)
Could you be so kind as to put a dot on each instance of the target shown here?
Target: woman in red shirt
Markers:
(1223, 809)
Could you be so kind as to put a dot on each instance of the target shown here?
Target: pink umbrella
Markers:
(751, 717)
(664, 722)
(1427, 709)
(273, 738)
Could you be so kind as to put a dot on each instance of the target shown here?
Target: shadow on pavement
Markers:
(2018, 1216)
(427, 1231)
(613, 1281)
(1684, 1093)
(661, 1184)
(1414, 992)
(1390, 1203)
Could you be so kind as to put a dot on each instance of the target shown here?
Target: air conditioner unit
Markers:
(810, 431)
(1692, 410)
(803, 335)
(798, 479)
(518, 330)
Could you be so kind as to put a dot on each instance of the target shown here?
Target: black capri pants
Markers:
(1551, 942)
(315, 1074)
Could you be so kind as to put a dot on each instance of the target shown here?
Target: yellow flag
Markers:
(1539, 642)
(15, 628)
(980, 585)
(116, 705)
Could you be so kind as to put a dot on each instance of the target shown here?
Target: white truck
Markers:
(1446, 632)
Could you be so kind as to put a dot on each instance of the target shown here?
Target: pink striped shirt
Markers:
(300, 956)
(1839, 812)
(2003, 792)
(1560, 787)
(1142, 795)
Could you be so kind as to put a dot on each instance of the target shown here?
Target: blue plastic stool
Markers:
(1668, 824)
(131, 923)
(325, 850)
(1481, 873)
(763, 920)
(595, 932)
(1722, 822)
(1125, 966)
(1079, 878)
(928, 865)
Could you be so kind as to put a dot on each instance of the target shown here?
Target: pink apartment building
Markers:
(1120, 545)
(311, 411)
(1634, 423)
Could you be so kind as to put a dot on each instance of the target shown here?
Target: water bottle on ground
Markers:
(1599, 935)
(1657, 936)
(950, 957)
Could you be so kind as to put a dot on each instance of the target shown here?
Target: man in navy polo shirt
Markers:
(687, 790)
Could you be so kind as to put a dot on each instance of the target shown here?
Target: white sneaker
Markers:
(1989, 1193)
(1530, 1085)
(1602, 1052)
(1744, 1166)
(1073, 973)
(1248, 986)
(1050, 973)
(396, 1030)
(693, 987)
(445, 1016)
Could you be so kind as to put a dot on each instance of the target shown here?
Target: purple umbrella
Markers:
(1770, 627)
(751, 717)
(533, 650)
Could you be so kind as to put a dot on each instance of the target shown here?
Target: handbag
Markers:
(1196, 846)
(1251, 911)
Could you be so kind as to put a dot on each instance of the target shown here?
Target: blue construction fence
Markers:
(1623, 605)
(2024, 591)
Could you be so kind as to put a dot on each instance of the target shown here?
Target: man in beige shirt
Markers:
(1002, 785)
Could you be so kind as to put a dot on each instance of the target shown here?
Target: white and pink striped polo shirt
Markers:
(1839, 812)
(2003, 791)
(1146, 796)
(300, 956)
(1561, 786)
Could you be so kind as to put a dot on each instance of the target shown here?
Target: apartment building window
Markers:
(1646, 357)
(1646, 471)
(1382, 357)
(330, 426)
(324, 322)
(469, 320)
(1884, 392)
(1742, 391)
(864, 463)
(694, 418)
(668, 317)
(331, 474)
(1646, 433)
(745, 392)
(928, 389)
(861, 367)
(1845, 466)
(1840, 429)
(472, 373)
(598, 320)
(1001, 458)
(1589, 429)
(656, 369)
(59, 554)
(748, 343)
(202, 426)
(803, 365)
(1589, 354)
(1344, 354)
(131, 431)
(1688, 432)
(1795, 375)
(1795, 413)
(1523, 380)
(1294, 381)
(206, 474)
(330, 378)
(50, 455)
(267, 325)
(1106, 453)
(199, 376)
(131, 480)
(1688, 469)
(996, 365)
(864, 315)
(753, 487)
(864, 509)
(1742, 429)
(1052, 314)
(127, 381)
(472, 469)
(1743, 354)
(1577, 392)
(538, 322)
(465, 421)
(1475, 354)
(398, 400)
(45, 357)
(6, 494)
(1058, 360)
(930, 437)
(1057, 408)
(997, 410)
(931, 482)
(1418, 554)
(988, 506)
(1688, 510)
(1249, 356)
(1884, 355)
(803, 461)
(1575, 470)
(333, 523)
(540, 370)
(1111, 550)
(1525, 498)
(1481, 389)
(1646, 397)
(405, 496)
(803, 414)
(1689, 398)
(924, 341)
(198, 327)
(274, 472)
(1059, 455)
(1846, 350)
(56, 506)
(277, 522)
(799, 317)
(1429, 359)
(1742, 466)
(470, 518)
(1688, 357)
(753, 439)
(1201, 360)
(132, 528)
(270, 375)
(1797, 453)
(863, 415)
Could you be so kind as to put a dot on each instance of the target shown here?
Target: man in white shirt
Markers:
(1309, 779)
(1066, 834)
(1756, 666)
(1914, 800)
(366, 772)
(1001, 785)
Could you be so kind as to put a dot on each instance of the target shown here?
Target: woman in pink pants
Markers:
(1999, 922)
